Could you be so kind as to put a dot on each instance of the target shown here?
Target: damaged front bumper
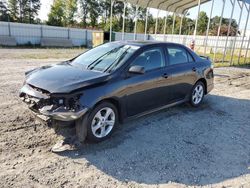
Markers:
(62, 114)
(42, 105)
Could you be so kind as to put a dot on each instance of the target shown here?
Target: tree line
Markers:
(95, 14)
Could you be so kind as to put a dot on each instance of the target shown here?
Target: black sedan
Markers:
(116, 81)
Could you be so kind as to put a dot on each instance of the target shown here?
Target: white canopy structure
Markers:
(177, 6)
(180, 7)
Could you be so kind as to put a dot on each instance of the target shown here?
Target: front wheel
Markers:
(102, 122)
(197, 94)
(99, 124)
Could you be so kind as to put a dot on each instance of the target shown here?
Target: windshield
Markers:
(106, 57)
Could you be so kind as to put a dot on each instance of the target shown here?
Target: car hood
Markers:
(64, 78)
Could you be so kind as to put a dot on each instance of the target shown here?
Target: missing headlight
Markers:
(74, 103)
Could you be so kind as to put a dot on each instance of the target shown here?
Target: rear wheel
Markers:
(197, 94)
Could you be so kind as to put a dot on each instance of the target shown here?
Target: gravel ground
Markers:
(178, 147)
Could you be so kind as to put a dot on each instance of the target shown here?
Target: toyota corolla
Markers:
(116, 81)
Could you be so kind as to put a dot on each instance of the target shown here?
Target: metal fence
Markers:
(185, 40)
(32, 34)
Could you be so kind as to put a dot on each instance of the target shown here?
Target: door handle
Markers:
(165, 75)
(194, 69)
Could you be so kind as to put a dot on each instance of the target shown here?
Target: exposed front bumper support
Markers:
(62, 114)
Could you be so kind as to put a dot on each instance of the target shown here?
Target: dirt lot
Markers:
(178, 147)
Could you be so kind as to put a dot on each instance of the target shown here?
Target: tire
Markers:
(197, 94)
(100, 123)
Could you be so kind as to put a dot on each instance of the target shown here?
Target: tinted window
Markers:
(150, 59)
(177, 55)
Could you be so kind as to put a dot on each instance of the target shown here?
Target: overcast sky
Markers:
(46, 4)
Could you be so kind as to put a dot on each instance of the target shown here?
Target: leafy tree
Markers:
(33, 6)
(93, 12)
(151, 24)
(70, 11)
(56, 16)
(224, 26)
(177, 24)
(14, 9)
(24, 10)
(104, 10)
(90, 11)
(118, 7)
(4, 15)
(202, 23)
(96, 14)
(169, 24)
(115, 25)
(130, 19)
(140, 27)
(188, 26)
(84, 11)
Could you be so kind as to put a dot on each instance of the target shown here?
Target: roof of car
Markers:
(143, 43)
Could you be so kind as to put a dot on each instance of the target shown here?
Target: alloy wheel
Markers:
(197, 94)
(103, 122)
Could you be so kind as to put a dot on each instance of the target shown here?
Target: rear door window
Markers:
(178, 55)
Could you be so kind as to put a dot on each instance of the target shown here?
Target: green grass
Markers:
(219, 58)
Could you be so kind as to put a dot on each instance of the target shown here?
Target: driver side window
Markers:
(150, 59)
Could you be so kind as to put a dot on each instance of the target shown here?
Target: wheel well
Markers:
(116, 103)
(203, 80)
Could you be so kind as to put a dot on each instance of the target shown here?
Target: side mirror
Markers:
(136, 69)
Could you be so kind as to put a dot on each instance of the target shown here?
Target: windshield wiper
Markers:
(116, 62)
(98, 60)
(94, 62)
